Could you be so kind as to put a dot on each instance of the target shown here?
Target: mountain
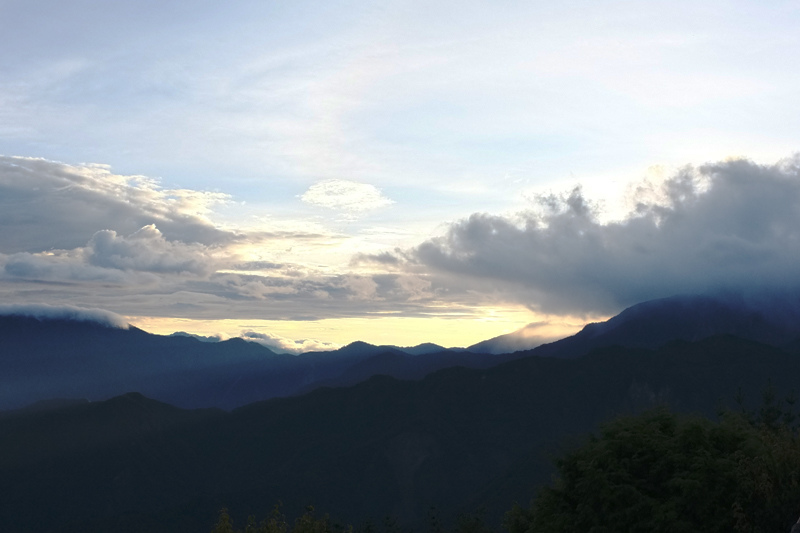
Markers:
(459, 439)
(51, 358)
(59, 358)
(401, 365)
(456, 438)
(525, 338)
(653, 323)
(42, 359)
(426, 348)
(363, 348)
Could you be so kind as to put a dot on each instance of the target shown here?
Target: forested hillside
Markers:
(458, 440)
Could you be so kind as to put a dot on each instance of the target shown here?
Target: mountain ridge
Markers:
(653, 323)
(57, 358)
(459, 439)
(52, 358)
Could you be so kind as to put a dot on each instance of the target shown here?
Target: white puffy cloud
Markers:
(202, 338)
(349, 197)
(80, 233)
(730, 226)
(142, 258)
(147, 250)
(359, 287)
(733, 226)
(52, 205)
(282, 344)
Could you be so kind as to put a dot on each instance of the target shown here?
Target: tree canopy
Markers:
(663, 472)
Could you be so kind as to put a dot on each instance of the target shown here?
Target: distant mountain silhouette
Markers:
(459, 439)
(364, 348)
(42, 359)
(653, 323)
(52, 358)
(401, 365)
(525, 338)
(425, 348)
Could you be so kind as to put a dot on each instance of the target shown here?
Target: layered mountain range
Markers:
(56, 358)
(361, 445)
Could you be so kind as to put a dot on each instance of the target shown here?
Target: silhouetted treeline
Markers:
(657, 471)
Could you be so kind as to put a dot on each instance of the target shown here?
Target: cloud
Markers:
(138, 259)
(282, 344)
(61, 268)
(81, 234)
(202, 338)
(64, 312)
(528, 337)
(257, 265)
(147, 250)
(349, 197)
(729, 226)
(51, 205)
(383, 258)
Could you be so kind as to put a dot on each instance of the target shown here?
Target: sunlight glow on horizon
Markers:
(381, 330)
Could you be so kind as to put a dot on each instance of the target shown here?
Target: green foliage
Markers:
(662, 472)
(472, 523)
(769, 482)
(434, 524)
(224, 524)
(277, 523)
(309, 522)
(654, 472)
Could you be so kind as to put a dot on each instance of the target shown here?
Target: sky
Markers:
(309, 174)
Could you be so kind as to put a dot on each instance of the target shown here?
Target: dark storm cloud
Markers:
(47, 205)
(727, 226)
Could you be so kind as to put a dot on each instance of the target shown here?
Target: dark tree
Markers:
(662, 472)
